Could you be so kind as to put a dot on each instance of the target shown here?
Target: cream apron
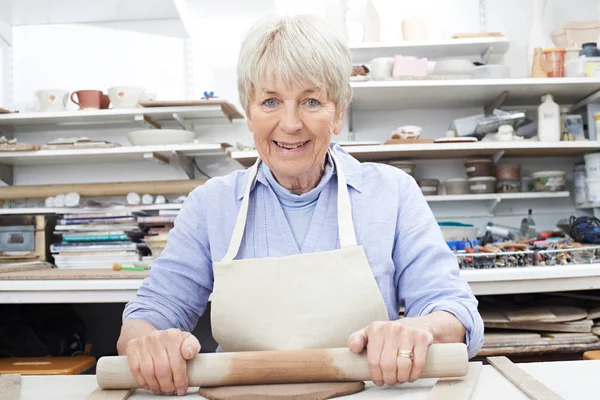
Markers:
(296, 302)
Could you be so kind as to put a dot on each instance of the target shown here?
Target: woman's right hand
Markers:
(158, 361)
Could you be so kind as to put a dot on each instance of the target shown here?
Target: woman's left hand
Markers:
(386, 341)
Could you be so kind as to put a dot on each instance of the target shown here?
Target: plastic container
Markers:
(579, 185)
(549, 181)
(582, 66)
(555, 60)
(589, 50)
(592, 188)
(548, 120)
(406, 166)
(457, 186)
(458, 231)
(575, 126)
(592, 165)
(479, 167)
(505, 259)
(508, 172)
(527, 184)
(569, 256)
(508, 186)
(429, 187)
(482, 185)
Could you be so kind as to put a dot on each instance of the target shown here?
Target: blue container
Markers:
(589, 50)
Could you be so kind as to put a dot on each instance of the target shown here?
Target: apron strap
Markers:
(240, 222)
(345, 224)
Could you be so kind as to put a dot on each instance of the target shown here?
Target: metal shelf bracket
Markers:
(485, 56)
(146, 121)
(496, 103)
(6, 174)
(155, 157)
(496, 157)
(493, 204)
(181, 122)
(186, 163)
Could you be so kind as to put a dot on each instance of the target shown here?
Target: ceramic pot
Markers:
(538, 37)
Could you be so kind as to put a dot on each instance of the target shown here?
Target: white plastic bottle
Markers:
(548, 120)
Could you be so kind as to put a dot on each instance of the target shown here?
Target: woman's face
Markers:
(292, 128)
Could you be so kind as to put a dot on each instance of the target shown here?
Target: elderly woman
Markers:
(308, 248)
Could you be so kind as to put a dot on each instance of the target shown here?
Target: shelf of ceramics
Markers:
(451, 48)
(150, 117)
(70, 210)
(385, 152)
(161, 154)
(40, 12)
(498, 196)
(482, 282)
(434, 94)
(533, 279)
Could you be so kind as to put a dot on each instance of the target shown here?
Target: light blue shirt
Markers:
(298, 209)
(405, 247)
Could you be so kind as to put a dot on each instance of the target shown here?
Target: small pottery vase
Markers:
(539, 68)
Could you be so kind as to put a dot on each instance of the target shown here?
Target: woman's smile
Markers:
(291, 147)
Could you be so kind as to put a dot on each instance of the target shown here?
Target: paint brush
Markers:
(130, 267)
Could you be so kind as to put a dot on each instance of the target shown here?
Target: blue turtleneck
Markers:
(298, 209)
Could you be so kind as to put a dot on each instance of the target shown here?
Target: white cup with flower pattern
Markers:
(125, 96)
(52, 99)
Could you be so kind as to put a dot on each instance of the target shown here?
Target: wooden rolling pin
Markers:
(298, 366)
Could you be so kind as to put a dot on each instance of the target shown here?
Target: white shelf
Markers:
(498, 196)
(453, 150)
(533, 279)
(482, 282)
(121, 117)
(66, 210)
(365, 52)
(126, 153)
(38, 12)
(433, 94)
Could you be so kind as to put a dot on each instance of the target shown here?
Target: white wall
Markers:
(152, 55)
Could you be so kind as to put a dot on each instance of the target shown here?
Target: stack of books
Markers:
(157, 231)
(96, 240)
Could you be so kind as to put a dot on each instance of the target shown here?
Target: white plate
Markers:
(456, 140)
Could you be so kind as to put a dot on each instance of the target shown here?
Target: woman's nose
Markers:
(290, 120)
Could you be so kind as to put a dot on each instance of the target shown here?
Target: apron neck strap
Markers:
(345, 224)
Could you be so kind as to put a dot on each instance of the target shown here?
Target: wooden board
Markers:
(596, 330)
(499, 337)
(10, 387)
(493, 316)
(299, 391)
(536, 350)
(543, 326)
(546, 341)
(46, 365)
(566, 314)
(408, 141)
(100, 394)
(227, 108)
(457, 389)
(100, 189)
(568, 335)
(27, 266)
(19, 147)
(476, 35)
(73, 274)
(531, 314)
(535, 389)
(594, 313)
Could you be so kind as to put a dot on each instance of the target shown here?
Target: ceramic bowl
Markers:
(408, 131)
(453, 67)
(150, 137)
(491, 72)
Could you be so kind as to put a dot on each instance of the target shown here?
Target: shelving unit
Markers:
(498, 196)
(119, 117)
(482, 282)
(65, 210)
(453, 150)
(432, 94)
(450, 48)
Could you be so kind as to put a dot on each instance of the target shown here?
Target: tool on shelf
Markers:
(134, 266)
(296, 366)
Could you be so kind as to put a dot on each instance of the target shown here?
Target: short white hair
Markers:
(295, 49)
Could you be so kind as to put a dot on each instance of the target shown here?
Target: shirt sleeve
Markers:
(427, 274)
(176, 292)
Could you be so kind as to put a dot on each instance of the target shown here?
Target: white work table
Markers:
(569, 379)
(482, 282)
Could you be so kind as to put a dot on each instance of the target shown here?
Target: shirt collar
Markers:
(351, 167)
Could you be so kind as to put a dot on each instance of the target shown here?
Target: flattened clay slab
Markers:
(296, 391)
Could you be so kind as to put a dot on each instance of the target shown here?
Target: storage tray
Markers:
(506, 259)
(574, 255)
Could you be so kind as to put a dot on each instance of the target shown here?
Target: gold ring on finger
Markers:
(405, 353)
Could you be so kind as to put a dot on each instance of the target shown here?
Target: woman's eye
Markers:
(313, 103)
(270, 103)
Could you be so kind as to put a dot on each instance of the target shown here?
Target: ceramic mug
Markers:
(125, 96)
(148, 96)
(87, 99)
(381, 68)
(414, 29)
(104, 102)
(52, 99)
